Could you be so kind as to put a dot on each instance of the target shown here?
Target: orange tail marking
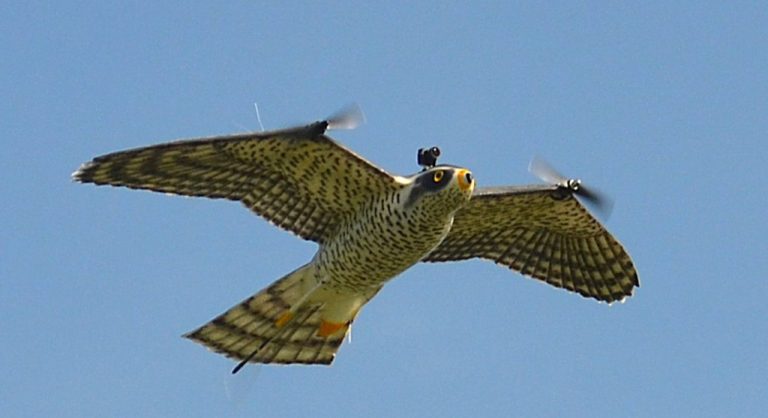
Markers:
(329, 328)
(284, 318)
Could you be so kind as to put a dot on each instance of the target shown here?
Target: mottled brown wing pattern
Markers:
(298, 179)
(543, 232)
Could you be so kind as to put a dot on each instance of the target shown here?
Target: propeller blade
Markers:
(544, 171)
(349, 117)
(599, 202)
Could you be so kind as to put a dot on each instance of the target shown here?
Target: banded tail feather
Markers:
(277, 325)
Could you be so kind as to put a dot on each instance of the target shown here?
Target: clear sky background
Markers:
(664, 107)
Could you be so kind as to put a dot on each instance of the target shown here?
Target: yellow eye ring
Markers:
(438, 176)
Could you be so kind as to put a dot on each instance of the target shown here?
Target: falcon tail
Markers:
(283, 324)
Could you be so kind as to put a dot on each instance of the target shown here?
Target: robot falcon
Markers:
(370, 226)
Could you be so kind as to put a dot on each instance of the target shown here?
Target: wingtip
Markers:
(84, 173)
(628, 293)
(77, 175)
(620, 300)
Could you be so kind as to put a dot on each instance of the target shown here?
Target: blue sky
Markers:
(663, 106)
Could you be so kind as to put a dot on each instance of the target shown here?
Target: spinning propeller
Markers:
(599, 202)
(349, 117)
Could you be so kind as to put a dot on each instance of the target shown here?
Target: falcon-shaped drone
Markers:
(370, 226)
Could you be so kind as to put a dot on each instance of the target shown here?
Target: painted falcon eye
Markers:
(438, 176)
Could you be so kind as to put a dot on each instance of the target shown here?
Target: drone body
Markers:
(370, 227)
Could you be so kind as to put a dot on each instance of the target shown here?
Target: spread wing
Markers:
(543, 232)
(298, 179)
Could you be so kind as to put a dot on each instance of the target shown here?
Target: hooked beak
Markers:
(466, 180)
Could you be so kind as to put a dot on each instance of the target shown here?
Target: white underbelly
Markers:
(367, 256)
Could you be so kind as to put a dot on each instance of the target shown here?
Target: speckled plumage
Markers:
(544, 232)
(370, 227)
